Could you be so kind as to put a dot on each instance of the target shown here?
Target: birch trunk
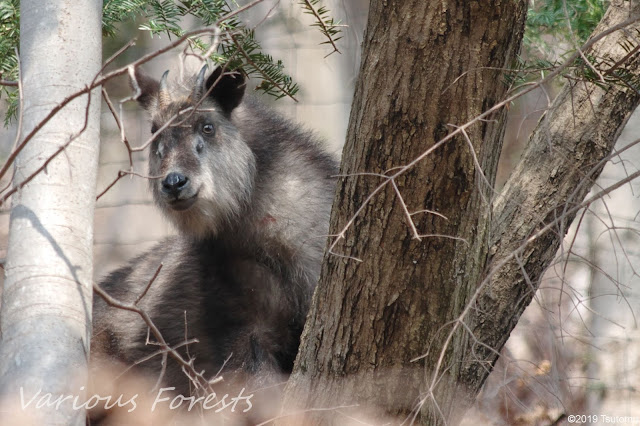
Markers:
(46, 303)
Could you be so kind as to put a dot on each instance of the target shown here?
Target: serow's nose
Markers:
(174, 183)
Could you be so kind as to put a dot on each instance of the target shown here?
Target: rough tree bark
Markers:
(565, 155)
(424, 68)
(46, 304)
(377, 328)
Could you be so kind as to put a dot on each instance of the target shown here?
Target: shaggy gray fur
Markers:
(250, 194)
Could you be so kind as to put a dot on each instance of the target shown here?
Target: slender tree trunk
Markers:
(415, 327)
(564, 157)
(46, 307)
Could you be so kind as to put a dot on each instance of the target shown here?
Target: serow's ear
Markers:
(148, 88)
(228, 88)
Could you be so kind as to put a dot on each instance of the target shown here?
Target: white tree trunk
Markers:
(46, 308)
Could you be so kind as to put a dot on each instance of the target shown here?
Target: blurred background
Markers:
(576, 349)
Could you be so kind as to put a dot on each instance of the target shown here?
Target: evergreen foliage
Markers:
(9, 33)
(565, 21)
(555, 29)
(328, 27)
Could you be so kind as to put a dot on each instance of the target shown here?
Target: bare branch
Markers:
(121, 174)
(120, 125)
(198, 378)
(148, 286)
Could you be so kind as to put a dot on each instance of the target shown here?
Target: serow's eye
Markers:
(154, 129)
(207, 129)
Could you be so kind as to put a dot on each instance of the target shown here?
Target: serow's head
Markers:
(204, 167)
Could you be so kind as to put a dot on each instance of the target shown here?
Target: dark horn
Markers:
(163, 92)
(199, 88)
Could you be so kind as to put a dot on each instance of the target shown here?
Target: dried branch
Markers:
(121, 174)
(148, 286)
(120, 125)
(51, 157)
(199, 380)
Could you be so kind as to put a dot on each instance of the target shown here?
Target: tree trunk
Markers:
(46, 307)
(424, 67)
(564, 157)
(415, 327)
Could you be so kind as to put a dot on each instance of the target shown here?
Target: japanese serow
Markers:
(250, 195)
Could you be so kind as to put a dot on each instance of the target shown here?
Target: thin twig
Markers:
(198, 378)
(121, 174)
(120, 125)
(148, 286)
(54, 155)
